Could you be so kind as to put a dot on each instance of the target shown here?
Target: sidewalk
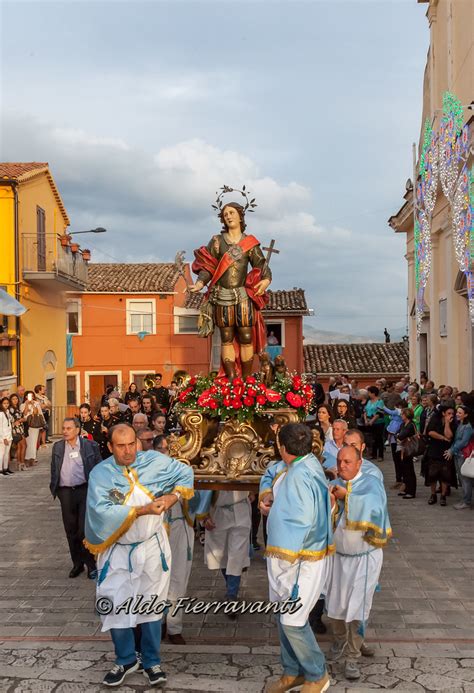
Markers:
(422, 622)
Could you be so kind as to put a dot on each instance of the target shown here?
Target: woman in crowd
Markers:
(374, 420)
(6, 435)
(324, 424)
(132, 393)
(462, 438)
(405, 441)
(415, 405)
(394, 426)
(345, 412)
(18, 425)
(90, 428)
(45, 404)
(106, 421)
(440, 434)
(31, 410)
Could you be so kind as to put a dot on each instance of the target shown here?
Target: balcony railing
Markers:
(45, 259)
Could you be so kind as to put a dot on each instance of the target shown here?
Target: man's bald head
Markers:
(123, 444)
(140, 421)
(349, 462)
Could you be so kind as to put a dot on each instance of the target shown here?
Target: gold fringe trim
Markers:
(187, 517)
(361, 526)
(185, 491)
(202, 516)
(137, 483)
(292, 556)
(126, 524)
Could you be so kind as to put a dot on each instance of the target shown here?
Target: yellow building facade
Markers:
(442, 344)
(38, 264)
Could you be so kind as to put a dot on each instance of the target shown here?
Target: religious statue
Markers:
(235, 296)
(281, 370)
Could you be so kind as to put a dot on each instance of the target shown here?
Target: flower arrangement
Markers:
(224, 398)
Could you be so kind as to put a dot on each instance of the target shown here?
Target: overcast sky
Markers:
(144, 109)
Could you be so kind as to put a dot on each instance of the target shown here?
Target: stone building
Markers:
(440, 259)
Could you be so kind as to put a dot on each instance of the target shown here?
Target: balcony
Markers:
(47, 262)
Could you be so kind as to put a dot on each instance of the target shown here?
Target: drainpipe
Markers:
(13, 184)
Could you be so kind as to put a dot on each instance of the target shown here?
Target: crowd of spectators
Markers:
(421, 425)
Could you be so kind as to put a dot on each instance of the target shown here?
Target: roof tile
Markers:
(17, 170)
(356, 359)
(131, 278)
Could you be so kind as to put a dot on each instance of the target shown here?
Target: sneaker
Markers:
(317, 686)
(155, 675)
(118, 672)
(408, 495)
(284, 683)
(351, 670)
(366, 650)
(442, 500)
(461, 506)
(336, 649)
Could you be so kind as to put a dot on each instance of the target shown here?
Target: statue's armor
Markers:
(232, 306)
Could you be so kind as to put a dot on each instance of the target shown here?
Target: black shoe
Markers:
(118, 672)
(408, 496)
(442, 500)
(155, 675)
(92, 573)
(433, 499)
(256, 546)
(4, 472)
(318, 627)
(77, 570)
(9, 471)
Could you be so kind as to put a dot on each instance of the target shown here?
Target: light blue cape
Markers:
(107, 516)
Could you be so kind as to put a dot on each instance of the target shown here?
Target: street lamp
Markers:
(99, 229)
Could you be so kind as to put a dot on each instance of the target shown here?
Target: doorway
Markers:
(98, 383)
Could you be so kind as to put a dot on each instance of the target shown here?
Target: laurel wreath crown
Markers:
(219, 206)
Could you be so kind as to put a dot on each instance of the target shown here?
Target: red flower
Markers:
(182, 396)
(237, 381)
(297, 382)
(250, 380)
(213, 390)
(226, 391)
(238, 390)
(251, 391)
(236, 403)
(212, 404)
(294, 399)
(273, 396)
(261, 399)
(249, 401)
(192, 381)
(226, 401)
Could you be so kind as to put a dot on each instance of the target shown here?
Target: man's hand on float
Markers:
(195, 288)
(209, 524)
(266, 503)
(261, 286)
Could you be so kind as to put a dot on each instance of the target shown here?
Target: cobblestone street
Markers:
(422, 623)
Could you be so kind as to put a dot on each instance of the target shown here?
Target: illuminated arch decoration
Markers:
(425, 199)
(444, 156)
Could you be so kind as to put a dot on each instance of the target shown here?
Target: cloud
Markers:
(154, 203)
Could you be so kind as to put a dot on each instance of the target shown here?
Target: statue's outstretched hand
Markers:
(194, 288)
(261, 286)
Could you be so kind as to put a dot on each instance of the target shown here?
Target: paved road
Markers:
(422, 622)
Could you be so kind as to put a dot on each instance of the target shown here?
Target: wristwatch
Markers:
(177, 494)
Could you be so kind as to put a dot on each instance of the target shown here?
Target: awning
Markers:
(9, 305)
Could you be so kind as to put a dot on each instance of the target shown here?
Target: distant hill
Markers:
(315, 336)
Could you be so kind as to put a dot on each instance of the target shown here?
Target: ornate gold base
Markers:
(231, 450)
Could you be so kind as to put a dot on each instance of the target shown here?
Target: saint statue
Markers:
(235, 296)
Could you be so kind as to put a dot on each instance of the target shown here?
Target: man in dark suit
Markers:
(72, 460)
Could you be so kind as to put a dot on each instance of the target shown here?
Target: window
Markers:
(141, 316)
(443, 317)
(188, 324)
(41, 238)
(73, 312)
(5, 361)
(275, 332)
(72, 390)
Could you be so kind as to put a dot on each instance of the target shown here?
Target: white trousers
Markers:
(31, 443)
(181, 539)
(5, 454)
(228, 549)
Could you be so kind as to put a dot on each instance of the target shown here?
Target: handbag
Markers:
(409, 446)
(36, 421)
(467, 468)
